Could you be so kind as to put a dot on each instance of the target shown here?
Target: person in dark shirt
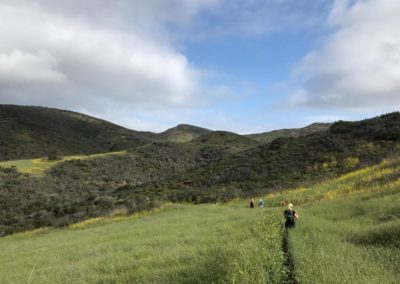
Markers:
(290, 217)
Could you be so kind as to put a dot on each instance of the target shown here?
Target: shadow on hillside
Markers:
(211, 266)
(386, 234)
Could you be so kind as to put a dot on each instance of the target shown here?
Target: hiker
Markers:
(261, 203)
(290, 216)
(252, 203)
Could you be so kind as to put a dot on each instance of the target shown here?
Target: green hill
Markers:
(30, 132)
(286, 162)
(268, 137)
(214, 167)
(182, 133)
(225, 140)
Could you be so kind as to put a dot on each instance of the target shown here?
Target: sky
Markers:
(245, 66)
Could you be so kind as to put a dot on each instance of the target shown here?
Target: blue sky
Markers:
(244, 66)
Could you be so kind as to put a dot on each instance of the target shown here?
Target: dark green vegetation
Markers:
(182, 133)
(287, 162)
(268, 137)
(216, 166)
(30, 132)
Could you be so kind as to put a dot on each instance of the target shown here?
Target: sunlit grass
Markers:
(40, 165)
(380, 178)
(179, 244)
(353, 240)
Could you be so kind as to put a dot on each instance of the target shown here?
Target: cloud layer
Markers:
(358, 67)
(51, 57)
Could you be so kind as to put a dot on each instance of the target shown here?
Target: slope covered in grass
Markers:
(349, 228)
(384, 177)
(39, 166)
(179, 244)
(352, 240)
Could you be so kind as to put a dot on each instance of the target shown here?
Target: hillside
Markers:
(229, 141)
(348, 232)
(268, 137)
(214, 167)
(29, 132)
(182, 133)
(286, 162)
(153, 162)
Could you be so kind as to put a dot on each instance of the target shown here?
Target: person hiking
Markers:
(261, 203)
(252, 203)
(290, 217)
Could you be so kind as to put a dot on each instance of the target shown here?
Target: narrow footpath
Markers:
(288, 262)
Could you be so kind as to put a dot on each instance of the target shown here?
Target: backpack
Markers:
(289, 215)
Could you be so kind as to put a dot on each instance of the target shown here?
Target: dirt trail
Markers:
(289, 264)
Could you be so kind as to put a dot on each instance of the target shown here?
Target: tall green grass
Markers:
(354, 240)
(384, 177)
(180, 244)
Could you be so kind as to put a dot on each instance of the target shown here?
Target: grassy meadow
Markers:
(348, 232)
(356, 240)
(40, 165)
(178, 244)
(349, 228)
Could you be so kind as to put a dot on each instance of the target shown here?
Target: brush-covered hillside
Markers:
(286, 162)
(33, 132)
(40, 192)
(30, 132)
(228, 141)
(217, 166)
(182, 133)
(267, 137)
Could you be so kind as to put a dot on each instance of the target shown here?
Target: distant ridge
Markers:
(182, 133)
(268, 137)
(291, 161)
(234, 142)
(33, 131)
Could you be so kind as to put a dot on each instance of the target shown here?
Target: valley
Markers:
(141, 207)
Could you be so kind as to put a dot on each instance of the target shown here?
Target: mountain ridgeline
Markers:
(182, 133)
(185, 163)
(30, 132)
(267, 137)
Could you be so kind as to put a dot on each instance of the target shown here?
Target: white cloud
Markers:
(23, 67)
(358, 67)
(104, 57)
(59, 60)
